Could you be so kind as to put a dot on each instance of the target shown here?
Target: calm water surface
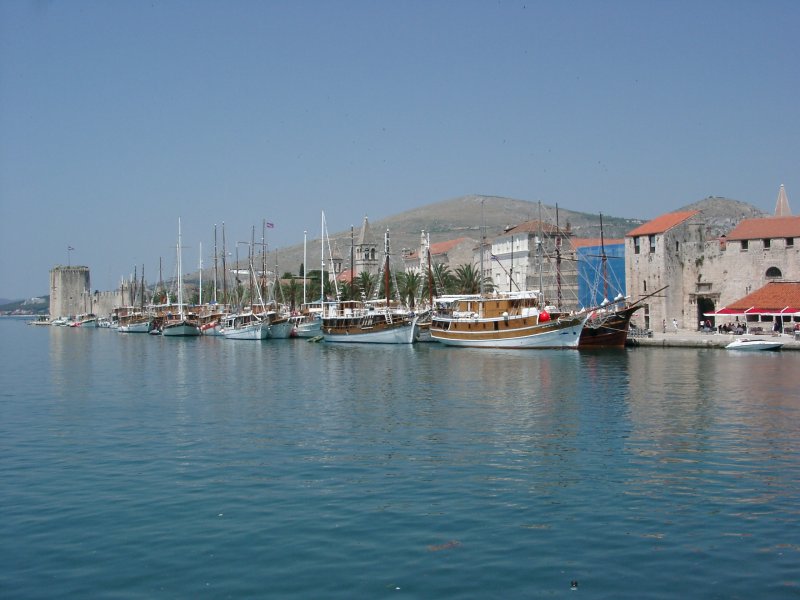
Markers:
(134, 466)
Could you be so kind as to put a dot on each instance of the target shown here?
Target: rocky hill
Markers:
(723, 214)
(457, 217)
(464, 216)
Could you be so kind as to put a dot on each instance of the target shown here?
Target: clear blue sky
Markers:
(118, 117)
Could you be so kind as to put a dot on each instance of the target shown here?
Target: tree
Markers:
(409, 286)
(366, 284)
(442, 281)
(468, 280)
(292, 292)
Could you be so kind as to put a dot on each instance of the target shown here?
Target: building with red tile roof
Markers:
(694, 276)
(768, 228)
(663, 223)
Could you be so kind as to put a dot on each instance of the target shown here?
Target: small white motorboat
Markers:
(752, 344)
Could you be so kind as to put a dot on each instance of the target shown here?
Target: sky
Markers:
(119, 117)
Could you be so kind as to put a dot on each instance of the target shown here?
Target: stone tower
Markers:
(366, 258)
(70, 291)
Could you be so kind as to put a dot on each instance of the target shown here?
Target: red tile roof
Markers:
(345, 276)
(662, 223)
(775, 297)
(768, 227)
(438, 248)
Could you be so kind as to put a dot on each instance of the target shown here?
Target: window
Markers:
(636, 245)
(744, 245)
(645, 285)
(766, 243)
(789, 242)
(774, 273)
(677, 245)
(652, 244)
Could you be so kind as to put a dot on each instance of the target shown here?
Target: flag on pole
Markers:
(70, 248)
(270, 225)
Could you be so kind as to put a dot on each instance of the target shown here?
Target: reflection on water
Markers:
(165, 467)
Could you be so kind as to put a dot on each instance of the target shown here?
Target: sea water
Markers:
(136, 466)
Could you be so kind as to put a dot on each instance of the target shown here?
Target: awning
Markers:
(789, 311)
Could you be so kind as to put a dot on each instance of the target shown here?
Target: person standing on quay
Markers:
(675, 324)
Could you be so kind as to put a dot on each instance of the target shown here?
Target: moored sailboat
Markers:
(180, 325)
(375, 322)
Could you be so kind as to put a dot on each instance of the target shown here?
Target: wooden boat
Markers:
(244, 326)
(306, 325)
(608, 327)
(182, 324)
(754, 345)
(504, 320)
(368, 322)
(134, 323)
(376, 322)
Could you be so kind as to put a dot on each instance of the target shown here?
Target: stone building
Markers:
(70, 291)
(686, 275)
(367, 257)
(451, 253)
(71, 295)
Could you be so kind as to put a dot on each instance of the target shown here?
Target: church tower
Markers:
(782, 204)
(366, 258)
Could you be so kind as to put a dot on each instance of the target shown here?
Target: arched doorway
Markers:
(704, 306)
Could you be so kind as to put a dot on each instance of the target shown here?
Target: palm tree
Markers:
(468, 280)
(292, 292)
(409, 285)
(366, 284)
(442, 281)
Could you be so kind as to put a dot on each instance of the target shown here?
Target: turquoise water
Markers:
(134, 466)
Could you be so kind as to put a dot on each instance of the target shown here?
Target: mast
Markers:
(216, 275)
(603, 260)
(511, 268)
(352, 260)
(224, 269)
(200, 296)
(540, 258)
(264, 259)
(180, 273)
(142, 299)
(483, 236)
(430, 271)
(386, 266)
(558, 262)
(322, 259)
(305, 265)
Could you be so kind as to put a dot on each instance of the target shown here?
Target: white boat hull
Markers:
(405, 334)
(183, 329)
(537, 336)
(307, 329)
(135, 328)
(747, 345)
(251, 331)
(280, 331)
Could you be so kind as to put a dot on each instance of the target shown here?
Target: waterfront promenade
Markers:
(684, 338)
